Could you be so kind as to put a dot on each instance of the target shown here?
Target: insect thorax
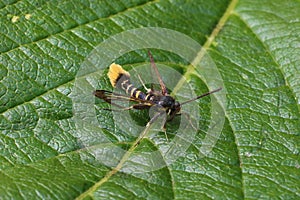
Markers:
(171, 106)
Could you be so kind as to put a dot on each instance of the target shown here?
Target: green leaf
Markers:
(255, 46)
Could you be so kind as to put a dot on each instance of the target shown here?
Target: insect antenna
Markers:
(203, 95)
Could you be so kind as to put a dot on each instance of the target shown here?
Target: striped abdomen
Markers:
(127, 86)
(121, 79)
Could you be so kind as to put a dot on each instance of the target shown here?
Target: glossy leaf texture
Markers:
(255, 46)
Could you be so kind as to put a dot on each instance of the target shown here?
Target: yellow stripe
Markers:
(132, 91)
(128, 88)
(137, 94)
(123, 83)
(146, 98)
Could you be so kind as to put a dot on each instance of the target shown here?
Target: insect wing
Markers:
(115, 98)
(163, 87)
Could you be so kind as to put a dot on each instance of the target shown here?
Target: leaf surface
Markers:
(255, 45)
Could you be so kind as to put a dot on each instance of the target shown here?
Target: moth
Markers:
(165, 103)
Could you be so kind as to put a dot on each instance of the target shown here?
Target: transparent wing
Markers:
(163, 87)
(115, 98)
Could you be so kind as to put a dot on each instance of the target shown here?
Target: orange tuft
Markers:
(115, 72)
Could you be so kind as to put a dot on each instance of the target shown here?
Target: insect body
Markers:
(120, 78)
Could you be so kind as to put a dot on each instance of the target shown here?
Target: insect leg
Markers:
(121, 109)
(135, 106)
(187, 116)
(141, 106)
(143, 84)
(165, 131)
(152, 120)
